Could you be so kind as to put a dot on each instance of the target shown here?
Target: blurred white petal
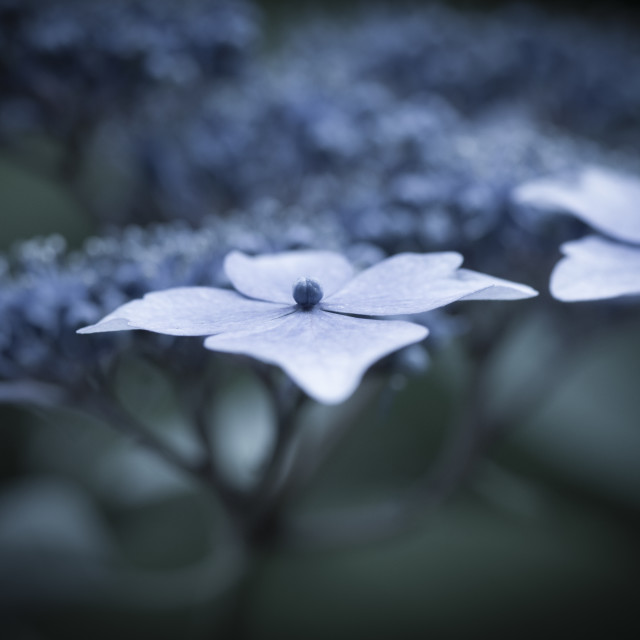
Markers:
(606, 200)
(595, 268)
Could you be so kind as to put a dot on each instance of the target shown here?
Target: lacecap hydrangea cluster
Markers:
(387, 132)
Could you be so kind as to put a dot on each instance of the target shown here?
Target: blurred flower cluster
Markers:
(418, 122)
(68, 65)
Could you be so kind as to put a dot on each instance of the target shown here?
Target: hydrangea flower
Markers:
(296, 309)
(594, 267)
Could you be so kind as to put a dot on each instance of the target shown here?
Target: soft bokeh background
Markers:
(98, 538)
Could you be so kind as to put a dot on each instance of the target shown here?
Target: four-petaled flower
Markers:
(295, 310)
(594, 267)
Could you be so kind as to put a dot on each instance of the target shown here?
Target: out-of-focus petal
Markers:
(606, 200)
(326, 354)
(272, 277)
(414, 283)
(595, 268)
(190, 311)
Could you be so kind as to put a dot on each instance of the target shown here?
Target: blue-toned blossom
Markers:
(321, 346)
(594, 267)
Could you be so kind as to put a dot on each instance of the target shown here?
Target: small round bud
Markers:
(307, 292)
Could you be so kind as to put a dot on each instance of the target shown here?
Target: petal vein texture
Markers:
(413, 283)
(189, 311)
(326, 354)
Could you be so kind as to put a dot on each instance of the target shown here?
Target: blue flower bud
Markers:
(307, 292)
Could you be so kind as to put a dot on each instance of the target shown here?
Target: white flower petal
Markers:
(324, 353)
(414, 283)
(397, 285)
(595, 268)
(606, 200)
(271, 277)
(189, 311)
(490, 288)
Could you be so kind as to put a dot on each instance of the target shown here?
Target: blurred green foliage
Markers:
(32, 205)
(542, 541)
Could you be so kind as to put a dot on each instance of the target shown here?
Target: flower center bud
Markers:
(307, 292)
